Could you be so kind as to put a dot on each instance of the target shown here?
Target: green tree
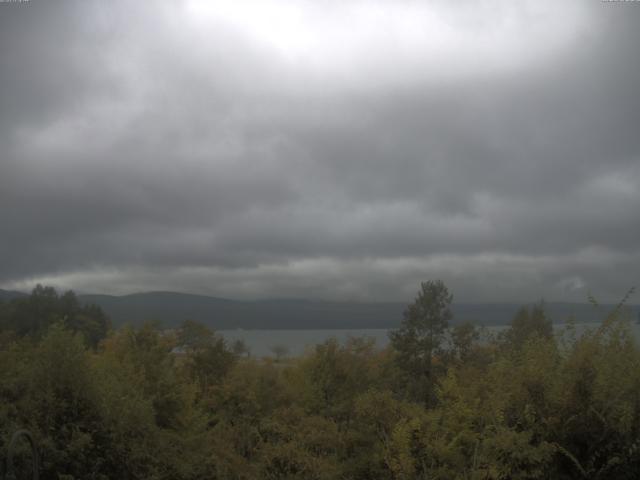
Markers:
(333, 375)
(33, 315)
(526, 323)
(208, 359)
(421, 334)
(463, 338)
(193, 335)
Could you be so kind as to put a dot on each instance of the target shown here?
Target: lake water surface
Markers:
(261, 342)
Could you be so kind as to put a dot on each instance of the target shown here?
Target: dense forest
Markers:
(440, 402)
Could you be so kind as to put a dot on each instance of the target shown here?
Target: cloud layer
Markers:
(279, 149)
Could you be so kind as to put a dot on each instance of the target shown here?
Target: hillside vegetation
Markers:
(144, 403)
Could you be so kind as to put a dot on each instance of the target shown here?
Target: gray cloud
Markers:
(274, 149)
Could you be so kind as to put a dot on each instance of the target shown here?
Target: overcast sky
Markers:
(321, 149)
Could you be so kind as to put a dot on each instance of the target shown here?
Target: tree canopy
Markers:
(147, 403)
(421, 333)
(32, 315)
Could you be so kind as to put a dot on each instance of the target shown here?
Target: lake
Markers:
(260, 342)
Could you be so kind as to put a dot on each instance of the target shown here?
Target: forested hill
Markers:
(171, 308)
(10, 295)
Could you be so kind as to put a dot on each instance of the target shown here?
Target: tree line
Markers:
(439, 402)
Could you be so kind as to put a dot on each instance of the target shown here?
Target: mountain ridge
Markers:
(170, 308)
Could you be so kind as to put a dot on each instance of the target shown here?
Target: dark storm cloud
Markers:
(145, 147)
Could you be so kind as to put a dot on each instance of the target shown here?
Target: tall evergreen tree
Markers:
(421, 333)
